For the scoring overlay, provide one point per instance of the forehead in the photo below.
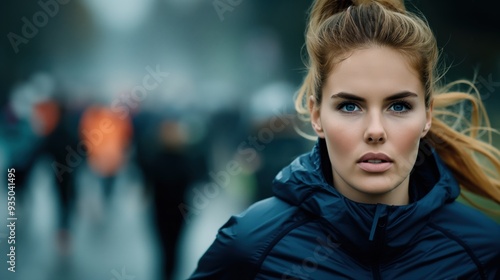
(374, 71)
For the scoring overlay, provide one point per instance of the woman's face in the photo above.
(372, 116)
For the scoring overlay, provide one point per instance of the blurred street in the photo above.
(103, 245)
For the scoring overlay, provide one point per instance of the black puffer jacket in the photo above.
(310, 231)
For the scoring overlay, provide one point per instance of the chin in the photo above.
(376, 187)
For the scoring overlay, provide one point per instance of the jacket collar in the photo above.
(365, 229)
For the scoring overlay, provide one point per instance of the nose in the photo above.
(375, 131)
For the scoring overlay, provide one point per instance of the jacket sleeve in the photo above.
(224, 259)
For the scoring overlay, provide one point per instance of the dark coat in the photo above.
(308, 230)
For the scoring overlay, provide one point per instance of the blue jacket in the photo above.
(308, 230)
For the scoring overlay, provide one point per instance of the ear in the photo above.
(315, 117)
(428, 117)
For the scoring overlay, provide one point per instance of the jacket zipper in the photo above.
(376, 272)
(379, 243)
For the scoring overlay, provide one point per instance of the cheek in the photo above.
(408, 140)
(405, 142)
(407, 136)
(342, 139)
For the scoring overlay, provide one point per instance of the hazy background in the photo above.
(218, 110)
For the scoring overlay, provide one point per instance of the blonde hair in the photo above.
(337, 28)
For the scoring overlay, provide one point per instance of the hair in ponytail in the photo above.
(337, 28)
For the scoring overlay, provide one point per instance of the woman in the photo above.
(375, 198)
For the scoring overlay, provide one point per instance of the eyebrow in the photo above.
(350, 96)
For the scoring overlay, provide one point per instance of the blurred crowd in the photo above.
(173, 150)
(99, 89)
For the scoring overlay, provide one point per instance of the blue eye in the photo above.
(348, 107)
(400, 107)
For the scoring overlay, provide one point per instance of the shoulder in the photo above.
(262, 222)
(270, 210)
(465, 220)
(244, 240)
(471, 229)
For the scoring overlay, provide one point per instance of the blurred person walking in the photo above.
(166, 162)
(107, 137)
(45, 125)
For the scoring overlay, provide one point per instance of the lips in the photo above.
(375, 162)
(375, 158)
